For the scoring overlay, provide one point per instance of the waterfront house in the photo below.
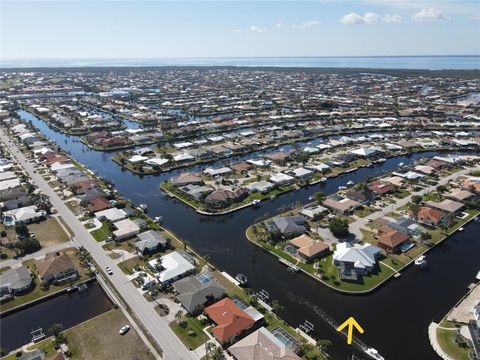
(363, 196)
(222, 197)
(472, 184)
(196, 191)
(281, 179)
(287, 226)
(56, 268)
(355, 260)
(231, 321)
(460, 195)
(312, 211)
(380, 188)
(113, 214)
(431, 216)
(99, 204)
(308, 249)
(241, 167)
(262, 186)
(391, 239)
(15, 281)
(125, 229)
(447, 205)
(261, 345)
(150, 242)
(301, 173)
(406, 225)
(341, 205)
(186, 179)
(194, 292)
(171, 267)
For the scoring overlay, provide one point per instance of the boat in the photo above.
(350, 183)
(401, 164)
(242, 279)
(342, 187)
(381, 160)
(460, 229)
(323, 179)
(158, 219)
(256, 202)
(142, 207)
(273, 197)
(421, 260)
(311, 198)
(291, 266)
(374, 354)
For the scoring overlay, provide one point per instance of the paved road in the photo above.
(158, 327)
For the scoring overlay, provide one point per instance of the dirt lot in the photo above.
(99, 339)
(48, 232)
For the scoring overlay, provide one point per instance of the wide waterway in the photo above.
(395, 317)
(67, 310)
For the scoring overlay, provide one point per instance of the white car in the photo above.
(109, 270)
(124, 330)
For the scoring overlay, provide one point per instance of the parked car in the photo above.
(109, 270)
(124, 330)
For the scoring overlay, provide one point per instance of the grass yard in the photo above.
(127, 266)
(103, 233)
(364, 212)
(48, 232)
(193, 325)
(446, 341)
(99, 339)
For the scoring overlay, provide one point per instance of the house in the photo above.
(99, 204)
(472, 184)
(288, 226)
(15, 281)
(261, 345)
(447, 205)
(301, 173)
(355, 260)
(278, 157)
(171, 267)
(309, 249)
(222, 197)
(241, 167)
(230, 320)
(56, 268)
(125, 229)
(218, 172)
(406, 225)
(193, 292)
(432, 217)
(425, 169)
(281, 179)
(261, 186)
(363, 196)
(341, 205)
(113, 214)
(186, 179)
(460, 195)
(312, 211)
(197, 192)
(150, 242)
(24, 215)
(390, 239)
(381, 188)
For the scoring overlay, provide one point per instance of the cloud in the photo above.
(257, 29)
(428, 14)
(369, 18)
(306, 24)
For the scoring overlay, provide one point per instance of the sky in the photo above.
(170, 29)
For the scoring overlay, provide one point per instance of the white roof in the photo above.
(7, 184)
(156, 161)
(299, 172)
(362, 256)
(7, 175)
(259, 162)
(125, 227)
(61, 166)
(137, 158)
(24, 214)
(174, 265)
(280, 177)
(318, 167)
(363, 151)
(113, 214)
(183, 156)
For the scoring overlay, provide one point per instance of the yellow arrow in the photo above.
(350, 322)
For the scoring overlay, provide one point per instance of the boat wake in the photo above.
(357, 343)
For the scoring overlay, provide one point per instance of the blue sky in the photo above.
(155, 29)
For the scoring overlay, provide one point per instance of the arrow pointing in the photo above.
(351, 323)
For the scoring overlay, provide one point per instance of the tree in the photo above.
(277, 307)
(28, 245)
(441, 188)
(319, 197)
(179, 316)
(414, 208)
(338, 227)
(21, 230)
(416, 199)
(310, 352)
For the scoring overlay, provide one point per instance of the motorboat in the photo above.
(242, 279)
(142, 207)
(421, 260)
(256, 202)
(401, 164)
(158, 219)
(374, 354)
(350, 183)
(460, 229)
(342, 187)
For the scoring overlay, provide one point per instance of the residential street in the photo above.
(157, 326)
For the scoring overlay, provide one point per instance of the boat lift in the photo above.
(37, 335)
(307, 327)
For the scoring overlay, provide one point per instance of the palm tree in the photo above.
(319, 197)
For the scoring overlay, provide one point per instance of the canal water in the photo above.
(395, 317)
(67, 309)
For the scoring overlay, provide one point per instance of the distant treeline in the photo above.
(459, 74)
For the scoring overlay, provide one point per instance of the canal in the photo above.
(395, 318)
(67, 310)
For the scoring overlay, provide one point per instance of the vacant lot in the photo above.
(48, 232)
(99, 339)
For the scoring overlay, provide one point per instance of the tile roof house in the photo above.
(363, 196)
(222, 197)
(380, 188)
(99, 204)
(472, 184)
(230, 319)
(195, 291)
(460, 195)
(355, 260)
(309, 249)
(341, 205)
(125, 229)
(430, 216)
(56, 268)
(186, 179)
(390, 239)
(261, 345)
(447, 205)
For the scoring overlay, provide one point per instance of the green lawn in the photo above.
(193, 324)
(103, 233)
(364, 212)
(446, 339)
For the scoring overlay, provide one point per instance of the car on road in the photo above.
(109, 270)
(369, 220)
(124, 330)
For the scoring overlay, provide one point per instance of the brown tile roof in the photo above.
(230, 319)
(308, 246)
(391, 237)
(430, 215)
(243, 166)
(53, 265)
(99, 204)
(380, 187)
